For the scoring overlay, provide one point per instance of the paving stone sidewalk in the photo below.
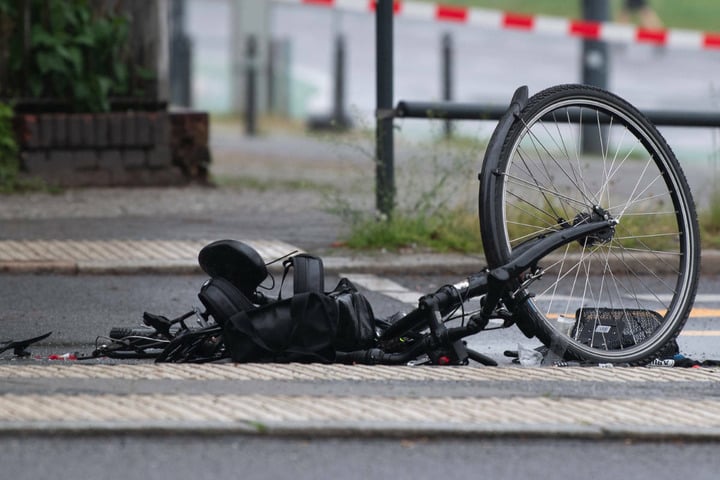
(339, 400)
(276, 195)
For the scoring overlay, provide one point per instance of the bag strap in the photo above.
(308, 273)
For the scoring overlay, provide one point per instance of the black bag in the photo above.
(356, 322)
(307, 327)
(298, 329)
(308, 273)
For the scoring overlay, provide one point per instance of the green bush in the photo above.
(9, 164)
(75, 54)
(10, 180)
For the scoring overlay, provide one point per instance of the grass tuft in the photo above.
(456, 231)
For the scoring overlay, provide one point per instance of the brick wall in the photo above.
(114, 149)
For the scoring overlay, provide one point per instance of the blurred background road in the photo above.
(488, 65)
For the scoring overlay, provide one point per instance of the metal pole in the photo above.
(447, 67)
(480, 111)
(273, 47)
(594, 64)
(284, 78)
(385, 176)
(181, 57)
(251, 87)
(339, 87)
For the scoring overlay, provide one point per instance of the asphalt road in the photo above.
(78, 309)
(300, 458)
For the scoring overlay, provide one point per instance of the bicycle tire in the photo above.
(549, 176)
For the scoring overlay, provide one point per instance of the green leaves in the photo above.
(7, 6)
(9, 164)
(73, 54)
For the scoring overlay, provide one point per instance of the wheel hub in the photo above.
(599, 238)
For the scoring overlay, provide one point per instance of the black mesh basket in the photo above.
(614, 328)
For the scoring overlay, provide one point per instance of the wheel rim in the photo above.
(551, 182)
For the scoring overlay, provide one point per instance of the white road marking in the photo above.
(700, 333)
(384, 286)
(699, 298)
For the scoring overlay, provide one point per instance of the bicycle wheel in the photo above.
(575, 152)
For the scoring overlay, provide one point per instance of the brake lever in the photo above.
(20, 346)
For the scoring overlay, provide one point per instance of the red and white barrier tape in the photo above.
(612, 32)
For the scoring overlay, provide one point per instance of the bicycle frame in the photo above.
(502, 283)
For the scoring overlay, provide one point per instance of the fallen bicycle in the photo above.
(590, 234)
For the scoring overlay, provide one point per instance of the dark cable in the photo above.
(461, 306)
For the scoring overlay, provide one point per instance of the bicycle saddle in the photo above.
(238, 263)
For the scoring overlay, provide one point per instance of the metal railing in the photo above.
(479, 111)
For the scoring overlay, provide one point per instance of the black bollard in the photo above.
(447, 71)
(594, 69)
(251, 87)
(339, 118)
(384, 111)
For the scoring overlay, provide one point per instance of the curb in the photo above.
(157, 256)
(431, 264)
(451, 264)
(362, 430)
(388, 264)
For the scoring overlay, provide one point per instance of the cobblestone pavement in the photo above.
(349, 400)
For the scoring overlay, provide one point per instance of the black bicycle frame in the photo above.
(494, 284)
